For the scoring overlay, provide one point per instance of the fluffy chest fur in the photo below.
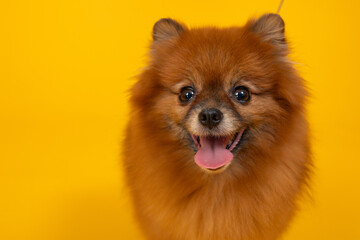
(172, 203)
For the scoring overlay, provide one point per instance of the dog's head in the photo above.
(225, 94)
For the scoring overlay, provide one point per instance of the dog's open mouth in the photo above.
(214, 152)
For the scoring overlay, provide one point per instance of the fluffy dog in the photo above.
(217, 143)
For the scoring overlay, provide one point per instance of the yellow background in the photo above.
(65, 66)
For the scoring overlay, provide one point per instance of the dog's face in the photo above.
(223, 93)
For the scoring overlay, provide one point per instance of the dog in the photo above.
(217, 145)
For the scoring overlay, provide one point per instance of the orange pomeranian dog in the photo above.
(217, 144)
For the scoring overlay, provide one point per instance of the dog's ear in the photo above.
(270, 27)
(166, 28)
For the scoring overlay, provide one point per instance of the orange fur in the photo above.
(254, 197)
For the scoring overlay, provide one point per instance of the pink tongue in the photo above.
(213, 153)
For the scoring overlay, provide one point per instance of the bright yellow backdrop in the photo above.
(65, 66)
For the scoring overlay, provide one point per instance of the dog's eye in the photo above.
(241, 94)
(186, 94)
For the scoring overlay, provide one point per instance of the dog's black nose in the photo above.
(210, 117)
